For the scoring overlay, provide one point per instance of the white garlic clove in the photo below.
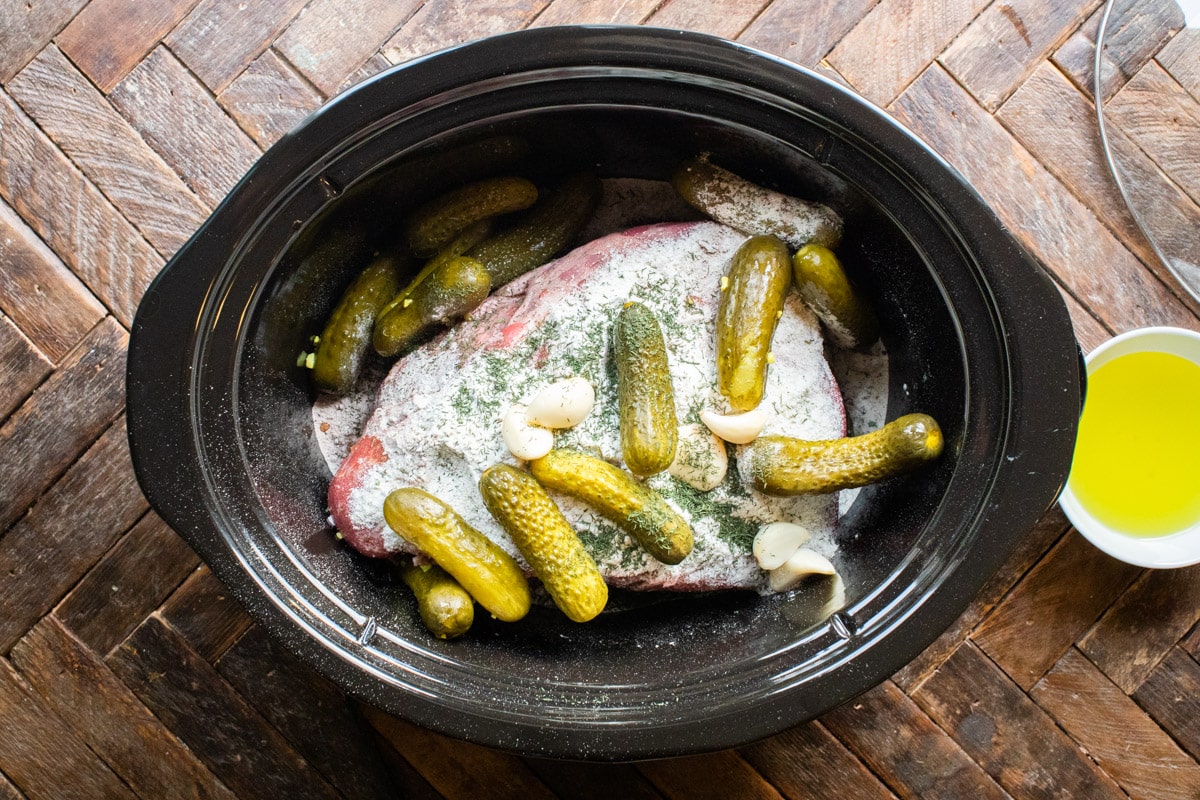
(700, 458)
(776, 543)
(562, 404)
(736, 428)
(804, 562)
(523, 440)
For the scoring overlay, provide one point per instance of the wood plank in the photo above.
(1171, 695)
(269, 99)
(369, 68)
(99, 140)
(1115, 732)
(1056, 123)
(1181, 59)
(901, 745)
(1089, 331)
(42, 755)
(595, 12)
(62, 418)
(51, 306)
(1051, 607)
(714, 776)
(459, 770)
(1136, 31)
(577, 780)
(1006, 733)
(1164, 120)
(312, 714)
(1039, 210)
(110, 37)
(72, 525)
(8, 791)
(441, 23)
(1007, 41)
(75, 683)
(22, 367)
(728, 19)
(804, 31)
(204, 613)
(234, 742)
(28, 27)
(808, 763)
(331, 38)
(177, 117)
(219, 39)
(71, 215)
(132, 580)
(1049, 529)
(406, 781)
(890, 46)
(1123, 646)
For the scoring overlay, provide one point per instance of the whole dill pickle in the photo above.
(824, 287)
(645, 395)
(445, 607)
(488, 573)
(436, 223)
(783, 466)
(617, 496)
(449, 293)
(470, 237)
(542, 232)
(347, 335)
(751, 302)
(545, 538)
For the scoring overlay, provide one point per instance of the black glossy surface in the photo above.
(978, 337)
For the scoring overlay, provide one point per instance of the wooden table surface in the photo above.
(126, 670)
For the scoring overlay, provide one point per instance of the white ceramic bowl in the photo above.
(1179, 549)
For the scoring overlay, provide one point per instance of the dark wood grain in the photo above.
(710, 777)
(71, 215)
(75, 683)
(204, 612)
(577, 781)
(109, 37)
(132, 580)
(71, 526)
(441, 23)
(8, 791)
(219, 39)
(406, 782)
(1006, 733)
(186, 693)
(22, 367)
(1125, 742)
(1171, 695)
(1136, 31)
(269, 99)
(804, 31)
(809, 762)
(28, 27)
(727, 20)
(61, 418)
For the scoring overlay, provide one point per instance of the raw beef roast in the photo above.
(436, 420)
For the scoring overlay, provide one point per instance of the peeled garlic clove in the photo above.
(804, 562)
(562, 404)
(736, 428)
(700, 458)
(523, 440)
(776, 543)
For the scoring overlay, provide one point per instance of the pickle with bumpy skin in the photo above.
(751, 303)
(445, 606)
(782, 466)
(489, 574)
(545, 538)
(824, 287)
(470, 237)
(645, 395)
(346, 338)
(542, 232)
(754, 209)
(446, 295)
(436, 223)
(617, 496)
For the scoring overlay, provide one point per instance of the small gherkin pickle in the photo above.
(749, 308)
(461, 244)
(488, 573)
(824, 287)
(445, 606)
(782, 466)
(545, 538)
(346, 338)
(645, 395)
(542, 232)
(617, 496)
(447, 294)
(436, 223)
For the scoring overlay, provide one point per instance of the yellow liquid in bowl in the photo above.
(1137, 456)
